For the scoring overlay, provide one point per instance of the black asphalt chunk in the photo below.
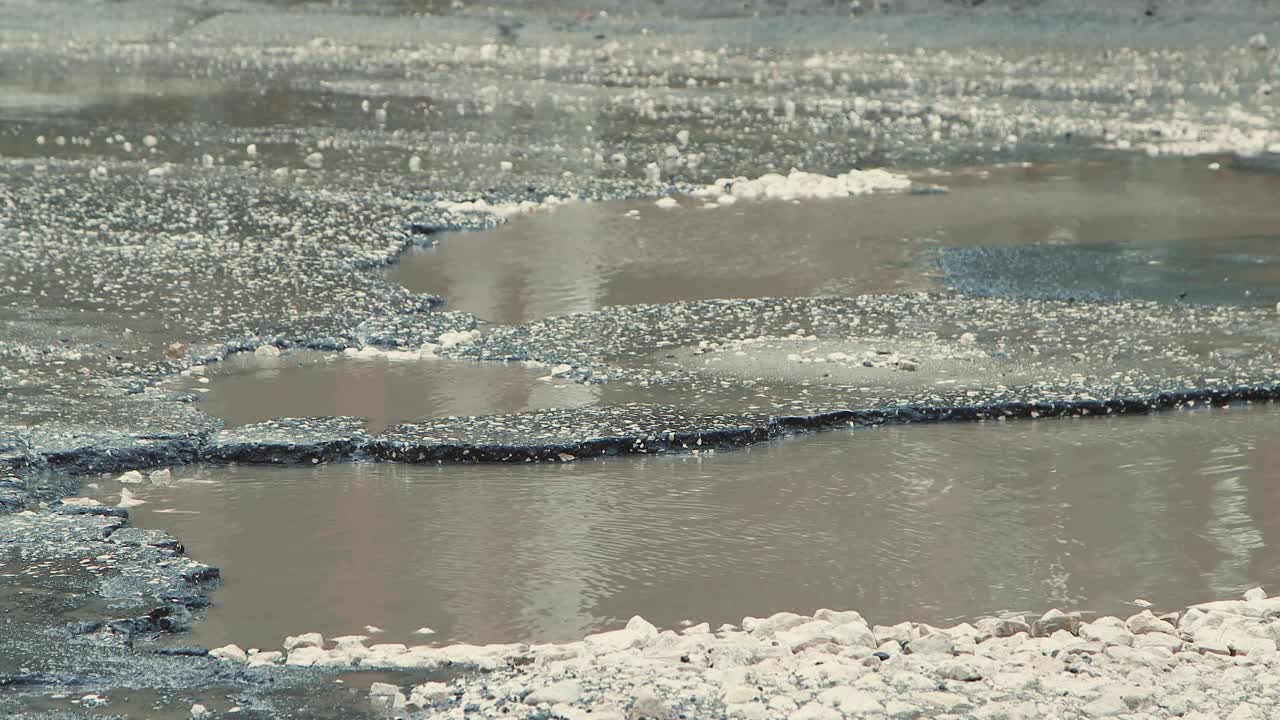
(297, 441)
(566, 435)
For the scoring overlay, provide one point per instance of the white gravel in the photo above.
(799, 185)
(1212, 660)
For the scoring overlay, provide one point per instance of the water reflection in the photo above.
(1178, 215)
(248, 388)
(929, 523)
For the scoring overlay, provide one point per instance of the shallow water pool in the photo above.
(929, 523)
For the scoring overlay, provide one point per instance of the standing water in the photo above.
(930, 523)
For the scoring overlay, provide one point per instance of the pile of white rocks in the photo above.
(1211, 661)
(798, 185)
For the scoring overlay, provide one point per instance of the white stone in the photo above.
(1016, 680)
(853, 634)
(840, 617)
(1255, 594)
(199, 711)
(1105, 633)
(908, 681)
(1108, 705)
(348, 640)
(1168, 641)
(1144, 622)
(1211, 648)
(966, 668)
(931, 644)
(230, 653)
(798, 185)
(947, 702)
(646, 704)
(127, 499)
(805, 635)
(426, 694)
(740, 694)
(1246, 711)
(851, 701)
(667, 203)
(766, 627)
(902, 632)
(304, 640)
(963, 631)
(566, 691)
(898, 710)
(637, 633)
(815, 711)
(307, 656)
(263, 659)
(131, 477)
(1248, 645)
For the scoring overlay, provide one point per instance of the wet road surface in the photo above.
(183, 185)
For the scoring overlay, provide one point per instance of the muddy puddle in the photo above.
(930, 523)
(382, 388)
(1161, 229)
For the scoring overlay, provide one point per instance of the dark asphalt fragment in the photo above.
(296, 441)
(566, 435)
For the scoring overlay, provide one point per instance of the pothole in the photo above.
(930, 523)
(1164, 217)
(380, 387)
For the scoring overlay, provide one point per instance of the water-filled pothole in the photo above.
(249, 388)
(921, 522)
(1167, 217)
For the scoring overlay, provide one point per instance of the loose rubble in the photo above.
(1212, 660)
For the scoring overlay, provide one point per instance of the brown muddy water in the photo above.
(582, 256)
(930, 523)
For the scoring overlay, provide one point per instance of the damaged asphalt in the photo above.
(154, 219)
